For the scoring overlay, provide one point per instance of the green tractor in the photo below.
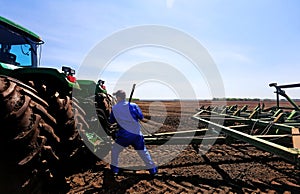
(42, 126)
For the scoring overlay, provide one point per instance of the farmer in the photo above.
(126, 115)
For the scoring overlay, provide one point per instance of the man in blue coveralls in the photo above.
(127, 115)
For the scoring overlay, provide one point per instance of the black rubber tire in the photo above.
(104, 104)
(37, 149)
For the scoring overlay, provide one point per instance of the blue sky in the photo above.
(252, 42)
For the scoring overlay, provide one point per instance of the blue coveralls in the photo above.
(127, 115)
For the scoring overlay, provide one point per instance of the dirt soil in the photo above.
(235, 168)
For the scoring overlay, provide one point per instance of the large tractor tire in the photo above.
(97, 108)
(38, 142)
(104, 104)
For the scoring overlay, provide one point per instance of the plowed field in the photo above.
(234, 168)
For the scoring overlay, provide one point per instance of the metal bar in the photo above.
(290, 85)
(180, 133)
(182, 140)
(222, 118)
(277, 98)
(292, 123)
(272, 136)
(289, 154)
(238, 126)
(188, 133)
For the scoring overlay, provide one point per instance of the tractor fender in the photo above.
(43, 73)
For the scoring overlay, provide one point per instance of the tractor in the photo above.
(42, 127)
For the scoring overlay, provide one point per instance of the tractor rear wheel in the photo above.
(38, 141)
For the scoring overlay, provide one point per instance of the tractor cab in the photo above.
(20, 51)
(18, 46)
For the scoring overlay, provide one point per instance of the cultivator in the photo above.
(274, 129)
